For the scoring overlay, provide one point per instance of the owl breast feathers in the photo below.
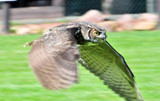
(54, 57)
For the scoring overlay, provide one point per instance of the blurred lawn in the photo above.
(141, 50)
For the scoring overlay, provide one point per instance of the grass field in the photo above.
(141, 50)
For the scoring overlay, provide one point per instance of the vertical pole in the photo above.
(158, 11)
(6, 14)
(52, 2)
(57, 2)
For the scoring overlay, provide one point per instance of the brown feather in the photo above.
(54, 62)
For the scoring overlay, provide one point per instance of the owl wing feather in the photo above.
(106, 63)
(54, 65)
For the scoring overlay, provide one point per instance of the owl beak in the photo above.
(102, 36)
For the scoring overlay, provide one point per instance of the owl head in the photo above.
(90, 32)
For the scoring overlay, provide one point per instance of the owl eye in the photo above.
(97, 33)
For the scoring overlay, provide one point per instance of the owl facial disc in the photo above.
(97, 35)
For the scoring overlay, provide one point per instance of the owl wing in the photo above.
(106, 63)
(54, 65)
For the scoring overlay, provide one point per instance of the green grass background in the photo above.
(141, 49)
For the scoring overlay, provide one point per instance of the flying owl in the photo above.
(54, 57)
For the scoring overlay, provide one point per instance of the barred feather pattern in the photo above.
(103, 61)
(54, 62)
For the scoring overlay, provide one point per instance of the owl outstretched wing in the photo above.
(106, 63)
(53, 59)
